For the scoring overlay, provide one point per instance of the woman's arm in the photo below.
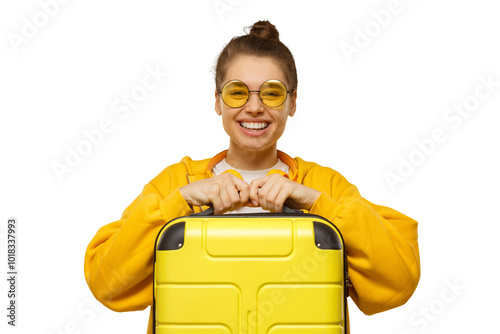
(119, 259)
(381, 243)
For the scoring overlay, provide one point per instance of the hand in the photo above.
(225, 192)
(273, 191)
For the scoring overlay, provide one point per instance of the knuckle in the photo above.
(261, 194)
(287, 187)
(213, 200)
(213, 189)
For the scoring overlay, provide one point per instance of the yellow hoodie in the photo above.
(381, 243)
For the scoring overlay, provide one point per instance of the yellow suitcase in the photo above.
(267, 273)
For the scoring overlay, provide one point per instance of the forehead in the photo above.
(253, 71)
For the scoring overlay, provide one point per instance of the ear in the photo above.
(217, 104)
(293, 103)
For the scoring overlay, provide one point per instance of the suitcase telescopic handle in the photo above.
(210, 211)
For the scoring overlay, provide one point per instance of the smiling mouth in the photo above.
(255, 126)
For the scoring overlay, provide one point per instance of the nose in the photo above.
(254, 104)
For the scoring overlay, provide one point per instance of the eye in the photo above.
(272, 94)
(237, 93)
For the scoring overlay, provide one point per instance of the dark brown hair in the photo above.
(262, 41)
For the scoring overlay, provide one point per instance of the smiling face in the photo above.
(254, 127)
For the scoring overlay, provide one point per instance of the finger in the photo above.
(268, 192)
(262, 194)
(233, 196)
(219, 196)
(245, 196)
(250, 204)
(217, 204)
(271, 191)
(255, 185)
(243, 190)
(281, 197)
(225, 198)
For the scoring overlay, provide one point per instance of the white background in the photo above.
(359, 115)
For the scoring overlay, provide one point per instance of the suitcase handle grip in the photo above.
(210, 211)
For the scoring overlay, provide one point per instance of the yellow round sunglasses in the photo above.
(272, 93)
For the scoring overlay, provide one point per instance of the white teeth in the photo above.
(254, 125)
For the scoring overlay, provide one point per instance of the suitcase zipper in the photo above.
(348, 283)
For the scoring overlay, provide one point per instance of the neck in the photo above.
(251, 159)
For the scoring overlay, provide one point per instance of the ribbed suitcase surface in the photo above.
(249, 274)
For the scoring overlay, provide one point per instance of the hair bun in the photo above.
(265, 29)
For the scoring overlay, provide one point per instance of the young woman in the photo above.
(256, 91)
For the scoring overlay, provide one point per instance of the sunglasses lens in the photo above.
(235, 94)
(273, 93)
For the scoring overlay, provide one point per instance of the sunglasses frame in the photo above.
(254, 91)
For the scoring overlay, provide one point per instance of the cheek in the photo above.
(228, 121)
(224, 121)
(282, 118)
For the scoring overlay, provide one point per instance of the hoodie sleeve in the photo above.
(119, 259)
(381, 243)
